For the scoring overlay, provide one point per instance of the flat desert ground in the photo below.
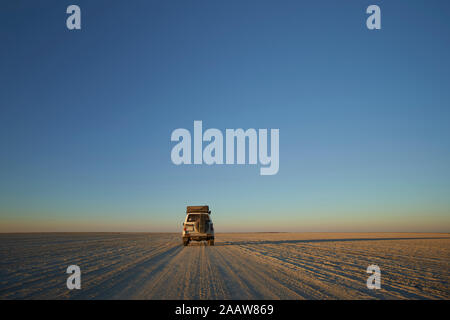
(240, 266)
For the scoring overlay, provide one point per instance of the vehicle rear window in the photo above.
(195, 217)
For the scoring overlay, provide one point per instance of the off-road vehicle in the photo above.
(198, 225)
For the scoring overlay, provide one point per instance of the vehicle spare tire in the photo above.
(202, 224)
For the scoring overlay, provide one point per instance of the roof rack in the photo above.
(198, 209)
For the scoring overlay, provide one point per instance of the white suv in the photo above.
(198, 225)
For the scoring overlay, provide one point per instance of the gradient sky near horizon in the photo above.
(86, 116)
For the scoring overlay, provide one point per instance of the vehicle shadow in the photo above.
(265, 242)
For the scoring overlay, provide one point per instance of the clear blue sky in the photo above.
(86, 116)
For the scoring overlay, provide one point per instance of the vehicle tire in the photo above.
(211, 242)
(185, 242)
